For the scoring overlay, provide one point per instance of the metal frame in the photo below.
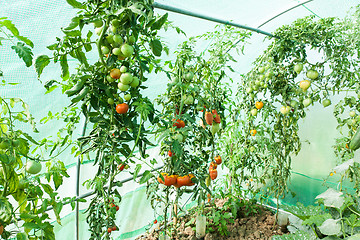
(212, 19)
(192, 14)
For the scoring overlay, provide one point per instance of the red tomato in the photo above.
(170, 153)
(218, 160)
(179, 123)
(213, 174)
(122, 108)
(217, 116)
(209, 118)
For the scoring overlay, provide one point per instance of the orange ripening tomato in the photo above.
(259, 105)
(253, 132)
(212, 166)
(218, 160)
(347, 146)
(183, 180)
(209, 118)
(122, 108)
(213, 174)
(170, 153)
(115, 73)
(169, 180)
(179, 123)
(217, 116)
(191, 176)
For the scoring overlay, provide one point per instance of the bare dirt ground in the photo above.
(260, 226)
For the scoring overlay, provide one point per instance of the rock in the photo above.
(257, 235)
(270, 220)
(189, 231)
(208, 236)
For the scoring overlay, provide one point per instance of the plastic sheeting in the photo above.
(41, 21)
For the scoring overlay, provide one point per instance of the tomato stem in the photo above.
(99, 43)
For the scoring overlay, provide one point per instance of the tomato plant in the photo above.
(288, 83)
(127, 45)
(192, 119)
(24, 195)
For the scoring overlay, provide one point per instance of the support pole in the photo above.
(212, 19)
(78, 166)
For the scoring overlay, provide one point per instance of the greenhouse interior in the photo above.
(143, 119)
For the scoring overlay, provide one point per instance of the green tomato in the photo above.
(109, 79)
(285, 110)
(298, 68)
(326, 102)
(215, 128)
(109, 38)
(261, 69)
(269, 74)
(352, 114)
(254, 112)
(312, 74)
(110, 101)
(132, 39)
(307, 102)
(23, 183)
(123, 69)
(105, 50)
(135, 82)
(4, 145)
(127, 97)
(113, 29)
(115, 23)
(252, 149)
(189, 76)
(179, 137)
(127, 50)
(116, 51)
(123, 87)
(248, 90)
(98, 23)
(118, 39)
(293, 103)
(262, 77)
(126, 78)
(33, 167)
(189, 100)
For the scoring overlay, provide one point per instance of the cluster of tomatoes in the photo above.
(213, 173)
(176, 180)
(117, 43)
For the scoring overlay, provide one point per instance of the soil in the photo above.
(260, 226)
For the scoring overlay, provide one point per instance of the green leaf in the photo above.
(51, 89)
(159, 23)
(28, 137)
(25, 40)
(24, 53)
(21, 236)
(74, 23)
(40, 63)
(317, 219)
(137, 170)
(296, 236)
(145, 177)
(75, 4)
(10, 26)
(64, 67)
(156, 47)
